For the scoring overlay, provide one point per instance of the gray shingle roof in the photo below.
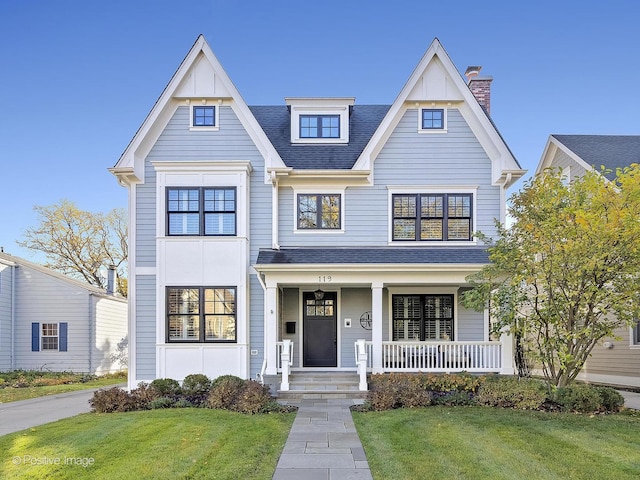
(612, 151)
(383, 255)
(275, 121)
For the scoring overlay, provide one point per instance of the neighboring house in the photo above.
(51, 322)
(612, 361)
(318, 221)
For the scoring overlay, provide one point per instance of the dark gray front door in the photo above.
(320, 330)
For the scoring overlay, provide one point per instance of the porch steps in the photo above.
(317, 385)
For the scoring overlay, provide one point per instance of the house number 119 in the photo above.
(324, 278)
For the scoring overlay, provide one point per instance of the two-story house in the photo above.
(273, 238)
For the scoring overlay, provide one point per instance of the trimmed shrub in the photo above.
(578, 398)
(396, 390)
(195, 388)
(454, 398)
(166, 387)
(451, 382)
(113, 399)
(511, 392)
(253, 398)
(162, 402)
(224, 392)
(610, 399)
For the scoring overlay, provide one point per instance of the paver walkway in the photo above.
(323, 444)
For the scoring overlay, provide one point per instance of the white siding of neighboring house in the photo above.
(44, 298)
(110, 328)
(5, 317)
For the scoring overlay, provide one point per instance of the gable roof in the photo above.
(276, 123)
(200, 75)
(436, 79)
(610, 151)
(12, 261)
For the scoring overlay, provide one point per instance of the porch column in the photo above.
(376, 326)
(506, 339)
(271, 328)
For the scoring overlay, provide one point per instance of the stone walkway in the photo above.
(323, 444)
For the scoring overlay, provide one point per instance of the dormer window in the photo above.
(320, 120)
(319, 126)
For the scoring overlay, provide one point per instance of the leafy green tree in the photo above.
(566, 273)
(78, 243)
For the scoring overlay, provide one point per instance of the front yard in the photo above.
(194, 443)
(492, 443)
(25, 384)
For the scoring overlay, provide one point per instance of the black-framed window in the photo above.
(319, 211)
(635, 334)
(319, 126)
(432, 217)
(201, 314)
(204, 116)
(432, 118)
(201, 211)
(422, 317)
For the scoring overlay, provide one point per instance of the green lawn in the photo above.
(157, 444)
(11, 394)
(491, 443)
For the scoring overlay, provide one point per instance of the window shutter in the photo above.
(35, 337)
(63, 337)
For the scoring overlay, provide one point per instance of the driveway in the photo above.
(15, 416)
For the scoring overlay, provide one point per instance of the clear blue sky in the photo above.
(78, 77)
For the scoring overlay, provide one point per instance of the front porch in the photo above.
(424, 357)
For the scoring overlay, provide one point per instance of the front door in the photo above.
(320, 330)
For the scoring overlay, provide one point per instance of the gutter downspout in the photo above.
(91, 333)
(13, 317)
(274, 212)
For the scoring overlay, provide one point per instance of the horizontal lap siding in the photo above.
(43, 298)
(619, 360)
(408, 158)
(5, 317)
(145, 327)
(561, 161)
(470, 325)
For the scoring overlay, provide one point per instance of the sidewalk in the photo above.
(15, 416)
(631, 399)
(323, 444)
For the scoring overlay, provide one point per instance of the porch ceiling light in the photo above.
(319, 294)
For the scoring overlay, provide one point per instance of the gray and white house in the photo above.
(318, 234)
(614, 361)
(51, 322)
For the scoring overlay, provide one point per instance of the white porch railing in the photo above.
(438, 356)
(284, 357)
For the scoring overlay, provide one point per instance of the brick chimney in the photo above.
(479, 86)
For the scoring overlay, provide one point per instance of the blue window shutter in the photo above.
(63, 337)
(35, 337)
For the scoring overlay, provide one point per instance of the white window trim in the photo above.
(318, 191)
(43, 336)
(433, 130)
(204, 103)
(418, 190)
(320, 106)
(632, 345)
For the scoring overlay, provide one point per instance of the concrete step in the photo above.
(315, 385)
